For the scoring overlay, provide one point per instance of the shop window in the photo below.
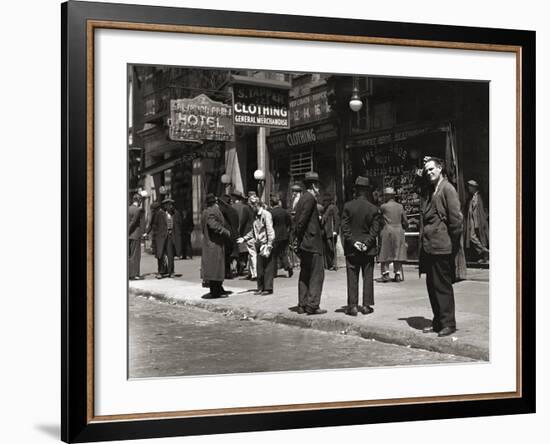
(383, 115)
(301, 162)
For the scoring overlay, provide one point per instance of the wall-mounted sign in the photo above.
(255, 105)
(309, 108)
(320, 133)
(199, 119)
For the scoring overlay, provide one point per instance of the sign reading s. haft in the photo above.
(200, 118)
(260, 106)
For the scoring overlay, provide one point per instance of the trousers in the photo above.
(265, 267)
(360, 263)
(134, 257)
(280, 253)
(310, 281)
(440, 290)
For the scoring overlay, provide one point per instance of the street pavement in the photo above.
(175, 340)
(401, 310)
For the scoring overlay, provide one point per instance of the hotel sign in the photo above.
(255, 105)
(200, 119)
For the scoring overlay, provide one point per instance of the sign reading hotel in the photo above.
(200, 119)
(260, 106)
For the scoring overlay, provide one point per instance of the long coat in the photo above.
(281, 223)
(136, 222)
(214, 236)
(361, 222)
(231, 218)
(160, 228)
(307, 228)
(441, 229)
(392, 237)
(476, 222)
(246, 216)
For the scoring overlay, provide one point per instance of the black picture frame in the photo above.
(77, 422)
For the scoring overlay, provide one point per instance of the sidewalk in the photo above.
(400, 312)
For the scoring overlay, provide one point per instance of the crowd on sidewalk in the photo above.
(245, 236)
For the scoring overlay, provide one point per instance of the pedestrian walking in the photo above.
(136, 226)
(187, 227)
(282, 226)
(361, 223)
(246, 217)
(309, 245)
(167, 227)
(155, 206)
(214, 237)
(476, 227)
(440, 236)
(330, 223)
(250, 246)
(263, 236)
(393, 247)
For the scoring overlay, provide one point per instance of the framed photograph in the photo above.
(275, 221)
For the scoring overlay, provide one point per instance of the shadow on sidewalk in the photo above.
(417, 322)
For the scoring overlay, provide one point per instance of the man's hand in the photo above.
(360, 246)
(240, 240)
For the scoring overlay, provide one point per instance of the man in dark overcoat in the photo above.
(136, 226)
(246, 216)
(186, 230)
(309, 245)
(167, 228)
(361, 224)
(476, 226)
(214, 237)
(440, 237)
(282, 225)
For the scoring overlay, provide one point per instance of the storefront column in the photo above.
(263, 162)
(232, 166)
(197, 181)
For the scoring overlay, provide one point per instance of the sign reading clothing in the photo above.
(199, 119)
(260, 106)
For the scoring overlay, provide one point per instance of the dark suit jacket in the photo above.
(136, 222)
(441, 221)
(281, 223)
(160, 228)
(361, 222)
(246, 216)
(307, 228)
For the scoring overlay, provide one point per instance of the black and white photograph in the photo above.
(299, 221)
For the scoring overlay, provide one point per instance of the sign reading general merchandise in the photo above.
(260, 106)
(199, 119)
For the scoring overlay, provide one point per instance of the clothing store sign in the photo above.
(320, 133)
(200, 118)
(255, 105)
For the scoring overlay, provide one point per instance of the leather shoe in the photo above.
(258, 291)
(365, 309)
(446, 331)
(300, 310)
(290, 272)
(351, 311)
(428, 330)
(317, 311)
(385, 278)
(266, 292)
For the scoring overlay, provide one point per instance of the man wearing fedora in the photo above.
(309, 245)
(167, 227)
(214, 237)
(440, 236)
(476, 227)
(361, 223)
(136, 225)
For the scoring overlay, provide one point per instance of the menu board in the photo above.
(407, 194)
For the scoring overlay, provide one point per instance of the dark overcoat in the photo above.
(231, 218)
(160, 228)
(214, 236)
(281, 223)
(361, 222)
(246, 216)
(441, 225)
(307, 227)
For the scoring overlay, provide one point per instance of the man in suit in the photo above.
(330, 222)
(309, 245)
(281, 225)
(167, 227)
(361, 223)
(440, 232)
(231, 218)
(186, 230)
(136, 226)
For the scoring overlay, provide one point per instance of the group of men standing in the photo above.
(239, 234)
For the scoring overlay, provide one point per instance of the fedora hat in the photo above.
(473, 183)
(168, 200)
(311, 176)
(210, 199)
(389, 191)
(296, 187)
(362, 181)
(238, 194)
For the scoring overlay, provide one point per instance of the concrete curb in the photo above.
(379, 333)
